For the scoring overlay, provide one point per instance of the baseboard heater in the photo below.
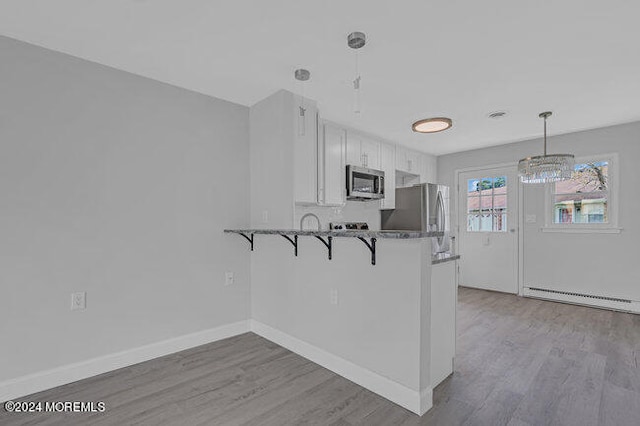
(625, 305)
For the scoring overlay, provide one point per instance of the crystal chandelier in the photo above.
(546, 168)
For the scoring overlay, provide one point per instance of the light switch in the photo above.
(333, 296)
(79, 301)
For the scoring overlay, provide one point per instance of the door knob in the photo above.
(512, 230)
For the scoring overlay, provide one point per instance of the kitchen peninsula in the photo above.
(389, 327)
(369, 305)
(362, 235)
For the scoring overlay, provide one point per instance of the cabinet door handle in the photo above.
(409, 165)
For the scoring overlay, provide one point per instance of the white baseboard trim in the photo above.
(36, 382)
(426, 400)
(412, 400)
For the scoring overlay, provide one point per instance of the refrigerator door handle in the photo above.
(440, 220)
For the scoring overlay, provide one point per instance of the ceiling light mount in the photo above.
(302, 74)
(432, 125)
(356, 40)
(547, 167)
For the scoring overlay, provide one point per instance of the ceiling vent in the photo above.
(497, 114)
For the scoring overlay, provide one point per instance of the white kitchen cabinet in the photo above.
(408, 161)
(305, 152)
(370, 152)
(362, 151)
(354, 153)
(332, 161)
(388, 165)
(283, 160)
(428, 171)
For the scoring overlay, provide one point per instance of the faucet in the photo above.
(306, 216)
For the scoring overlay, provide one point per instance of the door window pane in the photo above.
(500, 222)
(473, 204)
(473, 222)
(487, 204)
(486, 221)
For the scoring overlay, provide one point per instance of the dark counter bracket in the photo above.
(328, 242)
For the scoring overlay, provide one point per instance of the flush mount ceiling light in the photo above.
(548, 167)
(432, 125)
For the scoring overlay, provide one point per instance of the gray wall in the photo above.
(604, 264)
(120, 186)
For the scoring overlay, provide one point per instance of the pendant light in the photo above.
(302, 75)
(548, 167)
(356, 40)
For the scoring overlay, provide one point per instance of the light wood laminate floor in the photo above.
(520, 362)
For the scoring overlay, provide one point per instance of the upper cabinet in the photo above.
(415, 167)
(331, 165)
(388, 165)
(305, 151)
(362, 151)
(371, 153)
(408, 161)
(428, 169)
(283, 160)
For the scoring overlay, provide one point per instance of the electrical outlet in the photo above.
(530, 218)
(265, 216)
(228, 278)
(333, 296)
(79, 301)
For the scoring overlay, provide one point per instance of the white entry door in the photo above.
(488, 228)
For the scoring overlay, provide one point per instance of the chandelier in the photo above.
(548, 167)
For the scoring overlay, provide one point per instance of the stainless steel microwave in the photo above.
(364, 184)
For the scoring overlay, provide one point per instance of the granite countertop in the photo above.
(398, 235)
(443, 257)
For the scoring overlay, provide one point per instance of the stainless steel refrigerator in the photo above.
(423, 207)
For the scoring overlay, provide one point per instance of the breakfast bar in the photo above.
(372, 237)
(388, 327)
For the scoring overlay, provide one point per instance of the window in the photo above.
(584, 197)
(487, 204)
(584, 202)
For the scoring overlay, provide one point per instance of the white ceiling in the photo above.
(462, 59)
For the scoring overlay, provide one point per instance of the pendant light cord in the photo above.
(356, 82)
(545, 115)
(545, 136)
